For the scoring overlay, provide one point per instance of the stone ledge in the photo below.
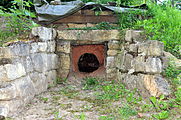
(89, 35)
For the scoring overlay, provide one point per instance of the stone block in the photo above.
(10, 107)
(44, 34)
(42, 46)
(113, 45)
(169, 57)
(156, 85)
(40, 62)
(40, 82)
(73, 25)
(138, 64)
(20, 49)
(63, 46)
(134, 36)
(62, 73)
(51, 77)
(111, 74)
(15, 71)
(133, 48)
(3, 75)
(153, 65)
(110, 60)
(65, 61)
(25, 88)
(51, 46)
(4, 111)
(34, 48)
(28, 64)
(128, 36)
(8, 92)
(151, 48)
(130, 81)
(112, 52)
(90, 25)
(120, 60)
(138, 36)
(127, 61)
(52, 62)
(6, 52)
(43, 62)
(89, 35)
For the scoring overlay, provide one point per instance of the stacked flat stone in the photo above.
(31, 68)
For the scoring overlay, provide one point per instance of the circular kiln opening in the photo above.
(88, 63)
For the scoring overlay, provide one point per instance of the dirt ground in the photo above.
(73, 102)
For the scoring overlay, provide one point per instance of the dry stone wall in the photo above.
(140, 64)
(26, 70)
(67, 38)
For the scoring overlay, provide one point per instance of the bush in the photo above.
(165, 26)
(18, 19)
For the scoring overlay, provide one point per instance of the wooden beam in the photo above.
(88, 19)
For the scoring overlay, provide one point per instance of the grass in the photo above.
(164, 25)
(109, 100)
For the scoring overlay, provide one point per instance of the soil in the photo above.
(70, 101)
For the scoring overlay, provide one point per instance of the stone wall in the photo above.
(67, 38)
(26, 70)
(140, 64)
(131, 59)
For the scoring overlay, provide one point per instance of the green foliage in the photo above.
(127, 111)
(160, 104)
(17, 21)
(82, 116)
(129, 18)
(171, 71)
(164, 26)
(162, 115)
(60, 81)
(123, 2)
(89, 82)
(44, 99)
(113, 92)
(106, 118)
(178, 97)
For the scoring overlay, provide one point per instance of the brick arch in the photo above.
(77, 51)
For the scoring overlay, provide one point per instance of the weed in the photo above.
(60, 81)
(127, 111)
(17, 21)
(160, 104)
(89, 83)
(57, 116)
(70, 93)
(106, 118)
(171, 71)
(44, 99)
(82, 116)
(128, 19)
(164, 26)
(162, 115)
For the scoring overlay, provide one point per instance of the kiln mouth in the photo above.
(88, 63)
